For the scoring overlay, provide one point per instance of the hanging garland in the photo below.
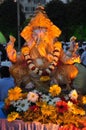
(52, 65)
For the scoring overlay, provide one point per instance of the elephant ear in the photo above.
(79, 83)
(11, 51)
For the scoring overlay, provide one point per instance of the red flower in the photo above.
(34, 108)
(63, 99)
(74, 101)
(69, 127)
(7, 107)
(62, 106)
(83, 122)
(84, 128)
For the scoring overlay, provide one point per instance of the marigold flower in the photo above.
(47, 110)
(77, 111)
(84, 99)
(14, 93)
(55, 90)
(12, 116)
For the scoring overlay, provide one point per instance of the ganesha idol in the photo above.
(42, 54)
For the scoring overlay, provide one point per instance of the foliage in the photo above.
(69, 17)
(8, 18)
(80, 32)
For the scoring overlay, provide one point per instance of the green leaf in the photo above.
(2, 39)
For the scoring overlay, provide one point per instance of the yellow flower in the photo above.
(41, 103)
(55, 90)
(12, 116)
(70, 104)
(14, 93)
(81, 112)
(77, 111)
(44, 78)
(25, 50)
(47, 110)
(84, 99)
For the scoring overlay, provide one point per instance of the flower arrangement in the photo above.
(53, 107)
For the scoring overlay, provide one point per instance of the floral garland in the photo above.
(50, 68)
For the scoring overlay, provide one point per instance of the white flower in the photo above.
(36, 91)
(54, 100)
(16, 103)
(22, 105)
(45, 98)
(33, 97)
(66, 97)
(73, 95)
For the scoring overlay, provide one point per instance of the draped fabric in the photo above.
(21, 125)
